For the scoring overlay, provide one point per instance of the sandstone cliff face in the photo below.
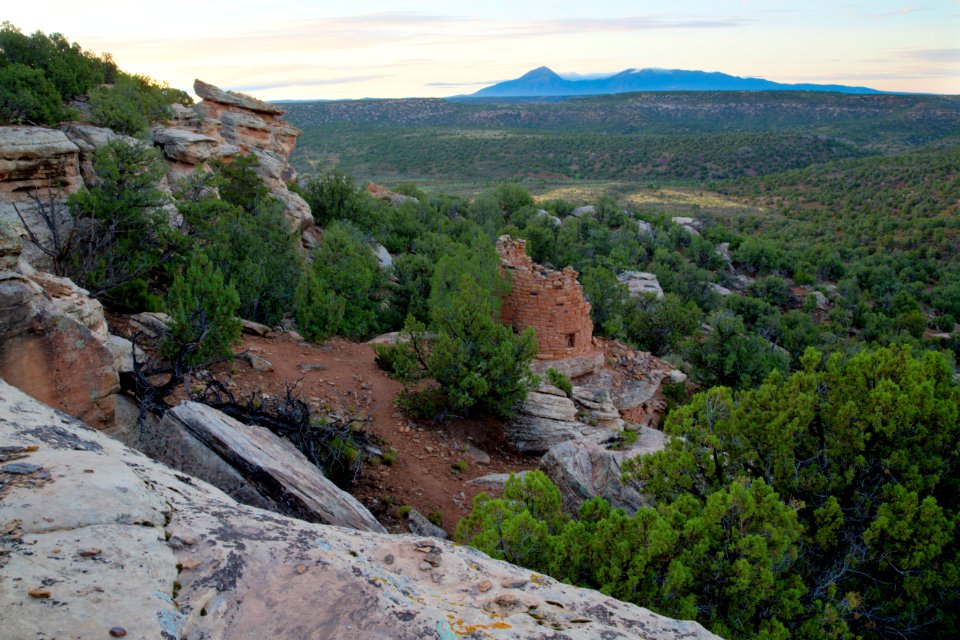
(103, 535)
(38, 168)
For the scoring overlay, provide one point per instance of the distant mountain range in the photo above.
(544, 82)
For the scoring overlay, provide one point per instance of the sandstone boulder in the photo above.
(55, 346)
(120, 541)
(586, 210)
(583, 469)
(641, 283)
(184, 146)
(249, 463)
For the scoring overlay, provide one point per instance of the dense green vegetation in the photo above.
(819, 505)
(438, 154)
(40, 75)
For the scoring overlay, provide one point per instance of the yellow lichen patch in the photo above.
(462, 629)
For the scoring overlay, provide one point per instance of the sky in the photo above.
(308, 49)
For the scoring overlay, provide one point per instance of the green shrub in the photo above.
(404, 511)
(390, 457)
(121, 231)
(317, 310)
(398, 360)
(560, 381)
(203, 310)
(460, 466)
(132, 103)
(346, 266)
(27, 97)
(476, 360)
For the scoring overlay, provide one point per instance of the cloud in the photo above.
(454, 85)
(933, 55)
(305, 83)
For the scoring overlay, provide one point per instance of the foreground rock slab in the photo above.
(249, 463)
(107, 533)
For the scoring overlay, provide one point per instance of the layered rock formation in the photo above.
(226, 124)
(101, 541)
(39, 168)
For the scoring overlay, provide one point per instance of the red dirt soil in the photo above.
(344, 376)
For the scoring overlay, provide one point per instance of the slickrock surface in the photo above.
(106, 538)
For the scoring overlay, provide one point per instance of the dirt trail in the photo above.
(344, 375)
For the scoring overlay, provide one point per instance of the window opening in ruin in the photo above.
(571, 337)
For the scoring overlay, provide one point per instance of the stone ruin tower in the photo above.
(550, 301)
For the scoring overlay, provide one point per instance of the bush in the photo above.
(203, 310)
(133, 103)
(476, 360)
(317, 310)
(398, 360)
(346, 266)
(121, 231)
(27, 97)
(560, 381)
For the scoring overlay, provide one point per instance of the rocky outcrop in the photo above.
(225, 124)
(690, 225)
(88, 139)
(633, 380)
(641, 283)
(583, 469)
(54, 342)
(248, 463)
(39, 168)
(394, 198)
(545, 418)
(107, 539)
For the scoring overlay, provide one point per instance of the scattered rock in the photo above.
(383, 256)
(641, 283)
(477, 456)
(586, 210)
(421, 526)
(484, 586)
(21, 468)
(382, 193)
(495, 480)
(254, 328)
(117, 632)
(690, 225)
(259, 364)
(543, 213)
(39, 593)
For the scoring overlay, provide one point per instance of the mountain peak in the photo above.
(543, 81)
(541, 73)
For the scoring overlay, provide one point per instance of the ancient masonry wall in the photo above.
(550, 301)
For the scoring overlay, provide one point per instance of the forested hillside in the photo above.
(672, 137)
